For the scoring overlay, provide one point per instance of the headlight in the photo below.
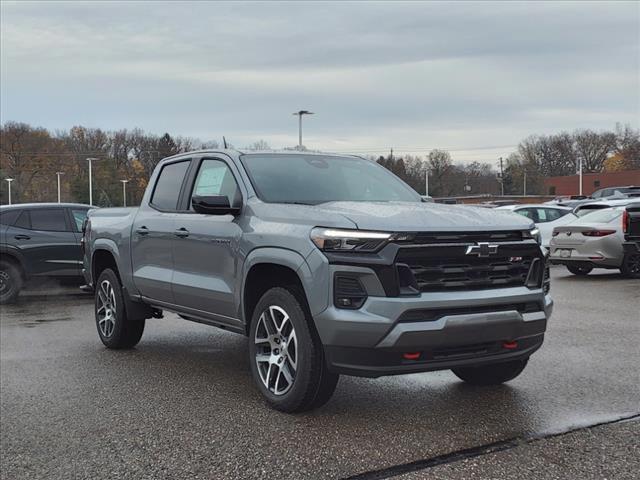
(331, 239)
(535, 234)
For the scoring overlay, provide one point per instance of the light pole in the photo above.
(9, 180)
(300, 113)
(90, 181)
(58, 175)
(124, 192)
(524, 187)
(580, 172)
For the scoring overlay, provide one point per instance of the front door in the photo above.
(205, 251)
(153, 233)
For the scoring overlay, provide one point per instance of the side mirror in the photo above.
(213, 205)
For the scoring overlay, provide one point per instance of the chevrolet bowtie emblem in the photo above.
(482, 249)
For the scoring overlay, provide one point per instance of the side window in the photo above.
(529, 213)
(9, 217)
(49, 219)
(23, 220)
(167, 190)
(78, 218)
(542, 215)
(215, 178)
(553, 214)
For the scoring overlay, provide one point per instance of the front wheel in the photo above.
(577, 270)
(631, 265)
(493, 374)
(115, 329)
(286, 355)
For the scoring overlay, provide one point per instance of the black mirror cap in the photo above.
(213, 205)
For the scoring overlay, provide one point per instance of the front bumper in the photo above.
(447, 329)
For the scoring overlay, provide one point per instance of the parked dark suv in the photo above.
(39, 240)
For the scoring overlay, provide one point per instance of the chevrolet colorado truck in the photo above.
(329, 264)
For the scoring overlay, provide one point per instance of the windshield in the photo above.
(604, 215)
(314, 179)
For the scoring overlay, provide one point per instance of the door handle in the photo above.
(142, 231)
(21, 236)
(181, 232)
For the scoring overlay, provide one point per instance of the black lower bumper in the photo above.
(377, 362)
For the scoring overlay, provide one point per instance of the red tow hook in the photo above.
(411, 356)
(510, 345)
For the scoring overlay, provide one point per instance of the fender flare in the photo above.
(277, 256)
(17, 256)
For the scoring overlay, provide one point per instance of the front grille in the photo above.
(445, 268)
(461, 237)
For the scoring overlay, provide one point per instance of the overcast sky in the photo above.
(413, 76)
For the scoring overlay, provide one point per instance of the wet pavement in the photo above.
(182, 404)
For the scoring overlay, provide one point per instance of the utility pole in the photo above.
(426, 181)
(9, 180)
(90, 181)
(124, 192)
(524, 189)
(58, 175)
(391, 154)
(300, 113)
(501, 177)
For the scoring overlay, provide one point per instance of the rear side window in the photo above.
(167, 191)
(50, 220)
(23, 220)
(78, 218)
(9, 217)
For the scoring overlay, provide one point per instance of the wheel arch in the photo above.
(12, 256)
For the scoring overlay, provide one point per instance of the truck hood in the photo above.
(433, 217)
(394, 216)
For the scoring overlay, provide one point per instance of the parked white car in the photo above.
(546, 217)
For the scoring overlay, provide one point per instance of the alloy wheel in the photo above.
(106, 309)
(276, 350)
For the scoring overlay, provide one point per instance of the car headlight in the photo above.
(335, 240)
(535, 234)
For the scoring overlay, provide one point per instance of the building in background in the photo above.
(570, 185)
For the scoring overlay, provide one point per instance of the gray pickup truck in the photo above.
(329, 264)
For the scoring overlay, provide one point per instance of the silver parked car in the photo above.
(586, 208)
(593, 241)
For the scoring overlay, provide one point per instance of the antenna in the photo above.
(224, 142)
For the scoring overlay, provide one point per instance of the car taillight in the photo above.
(625, 222)
(598, 233)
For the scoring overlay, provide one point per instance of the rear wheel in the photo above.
(10, 282)
(493, 374)
(631, 265)
(578, 270)
(115, 329)
(286, 355)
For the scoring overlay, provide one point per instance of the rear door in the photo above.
(205, 249)
(47, 242)
(153, 233)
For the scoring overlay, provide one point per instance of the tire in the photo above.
(493, 374)
(286, 355)
(577, 270)
(631, 265)
(115, 329)
(10, 282)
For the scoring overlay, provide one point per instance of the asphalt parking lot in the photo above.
(182, 404)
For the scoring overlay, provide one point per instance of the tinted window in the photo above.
(23, 220)
(314, 179)
(8, 217)
(78, 218)
(550, 214)
(167, 191)
(215, 178)
(49, 219)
